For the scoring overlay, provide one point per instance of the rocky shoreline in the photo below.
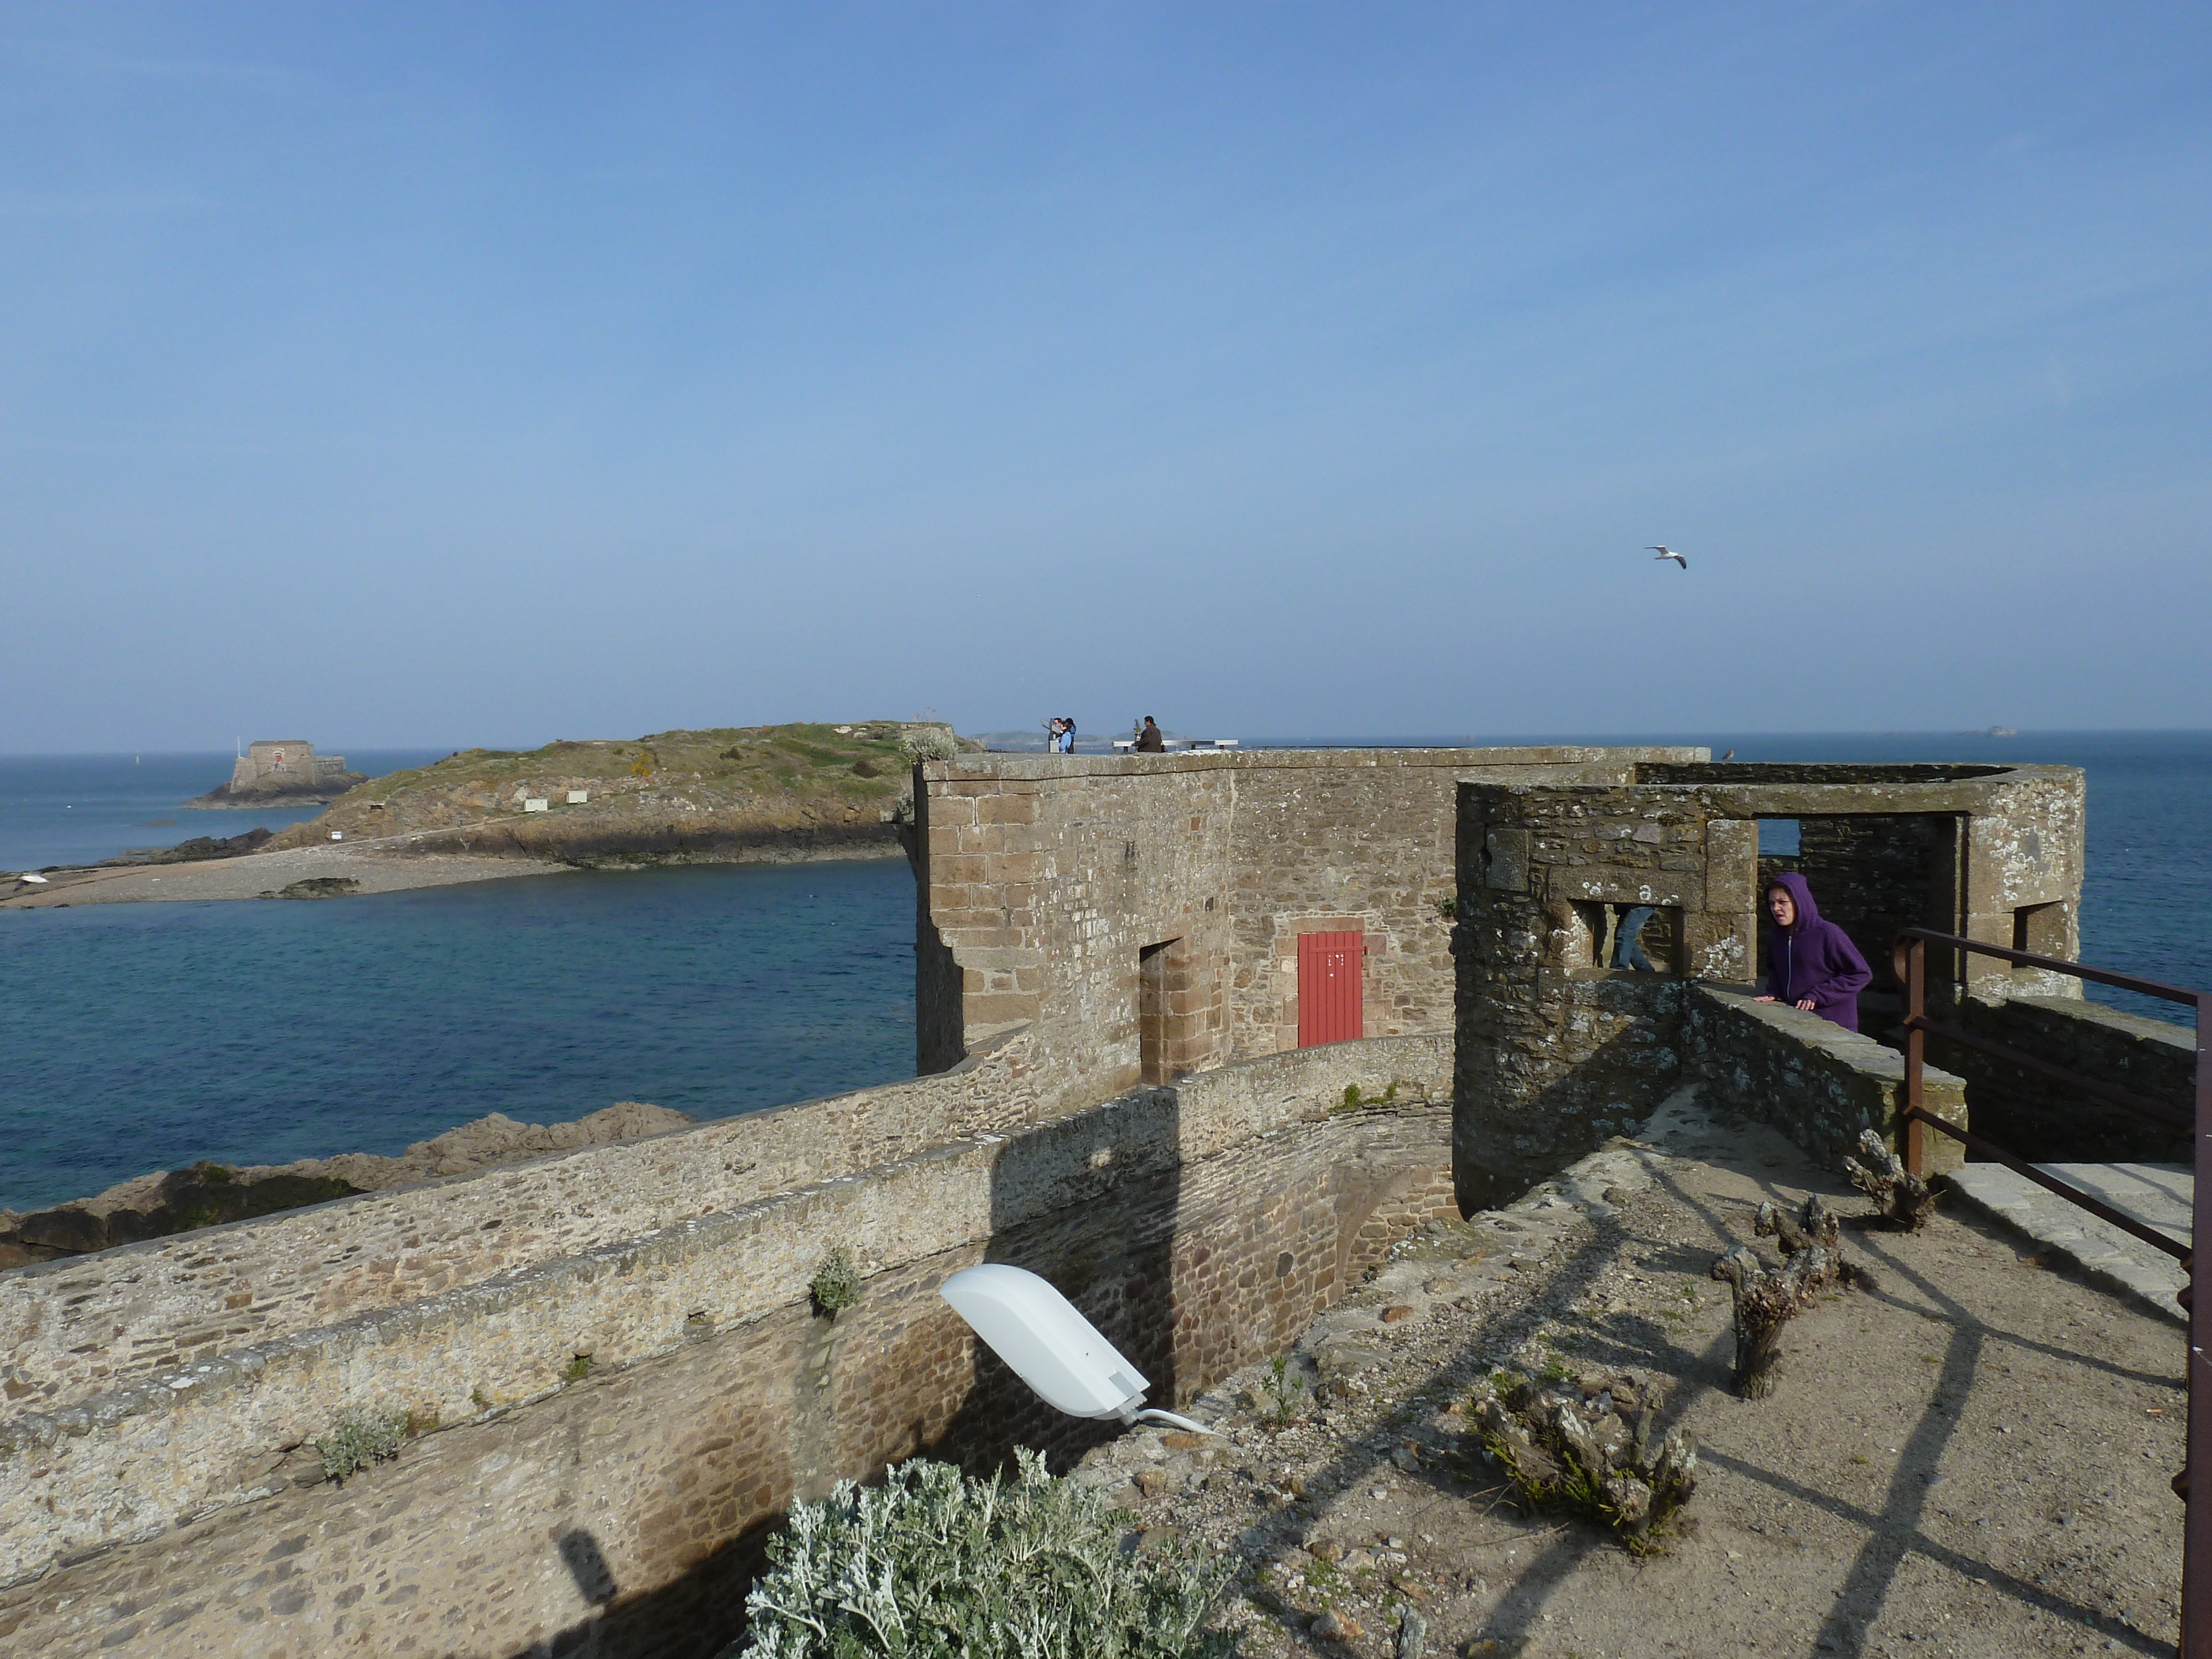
(225, 798)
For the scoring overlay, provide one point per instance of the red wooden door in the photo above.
(1330, 966)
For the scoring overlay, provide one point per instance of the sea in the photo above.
(145, 1036)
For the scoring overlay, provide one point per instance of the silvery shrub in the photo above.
(933, 1564)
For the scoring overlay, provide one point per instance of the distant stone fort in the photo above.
(283, 769)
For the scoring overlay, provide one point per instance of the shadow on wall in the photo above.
(1508, 1138)
(1111, 1251)
(1109, 1243)
(587, 1565)
(696, 1617)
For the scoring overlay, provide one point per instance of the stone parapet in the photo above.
(78, 1327)
(1815, 1082)
(2045, 1122)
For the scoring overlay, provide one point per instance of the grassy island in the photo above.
(719, 795)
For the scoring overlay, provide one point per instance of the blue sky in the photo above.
(427, 374)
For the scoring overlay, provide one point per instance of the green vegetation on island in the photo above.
(729, 793)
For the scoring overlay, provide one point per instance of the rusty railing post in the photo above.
(1914, 1149)
(2196, 1473)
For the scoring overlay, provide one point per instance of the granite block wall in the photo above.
(84, 1323)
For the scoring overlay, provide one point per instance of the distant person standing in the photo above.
(1811, 964)
(1066, 744)
(1052, 736)
(1150, 740)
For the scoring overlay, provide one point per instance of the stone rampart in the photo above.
(1201, 1226)
(80, 1325)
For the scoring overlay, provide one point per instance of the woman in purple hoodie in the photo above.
(1811, 963)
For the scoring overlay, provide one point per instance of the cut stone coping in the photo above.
(2161, 1195)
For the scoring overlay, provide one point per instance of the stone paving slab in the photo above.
(2160, 1194)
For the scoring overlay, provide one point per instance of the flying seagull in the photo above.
(1669, 553)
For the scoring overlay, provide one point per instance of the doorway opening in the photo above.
(1153, 1012)
(1331, 968)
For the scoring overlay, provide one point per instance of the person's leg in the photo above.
(1627, 943)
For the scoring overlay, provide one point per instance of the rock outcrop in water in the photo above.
(206, 1195)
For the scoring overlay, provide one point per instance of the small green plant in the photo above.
(356, 1441)
(932, 1562)
(578, 1369)
(1354, 1099)
(1448, 907)
(1284, 1390)
(836, 1284)
(480, 1399)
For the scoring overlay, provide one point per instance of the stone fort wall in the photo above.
(179, 1511)
(90, 1323)
(1046, 885)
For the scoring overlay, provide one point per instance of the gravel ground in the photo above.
(258, 874)
(1971, 1457)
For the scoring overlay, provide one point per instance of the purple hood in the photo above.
(1814, 959)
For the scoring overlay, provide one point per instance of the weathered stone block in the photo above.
(1732, 864)
(1721, 947)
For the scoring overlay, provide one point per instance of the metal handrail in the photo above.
(2194, 1483)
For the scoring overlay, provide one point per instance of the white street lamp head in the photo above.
(1049, 1345)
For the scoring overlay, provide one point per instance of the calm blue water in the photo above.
(142, 1036)
(80, 809)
